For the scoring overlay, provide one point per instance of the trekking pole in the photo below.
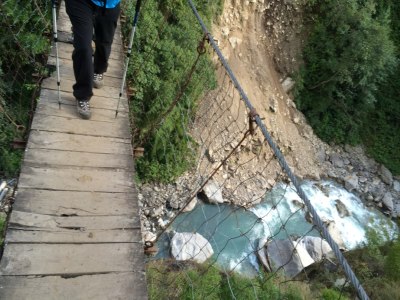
(55, 39)
(128, 55)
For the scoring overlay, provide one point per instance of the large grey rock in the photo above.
(190, 246)
(191, 205)
(337, 160)
(342, 209)
(288, 255)
(149, 236)
(351, 182)
(396, 185)
(316, 247)
(261, 253)
(321, 156)
(158, 211)
(386, 175)
(388, 201)
(335, 234)
(396, 212)
(377, 190)
(288, 84)
(213, 193)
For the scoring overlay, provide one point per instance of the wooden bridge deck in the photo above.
(74, 232)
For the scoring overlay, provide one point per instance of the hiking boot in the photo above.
(98, 80)
(83, 109)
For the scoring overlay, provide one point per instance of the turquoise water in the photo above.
(234, 232)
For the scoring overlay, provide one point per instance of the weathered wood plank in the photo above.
(69, 111)
(111, 79)
(33, 221)
(113, 75)
(59, 203)
(116, 286)
(66, 37)
(87, 180)
(47, 95)
(73, 125)
(65, 51)
(73, 142)
(47, 158)
(70, 259)
(66, 86)
(21, 236)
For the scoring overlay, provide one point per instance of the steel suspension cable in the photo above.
(316, 219)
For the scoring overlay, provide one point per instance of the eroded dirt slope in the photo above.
(260, 40)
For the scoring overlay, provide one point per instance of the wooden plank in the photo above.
(116, 286)
(66, 86)
(31, 221)
(65, 51)
(117, 129)
(64, 34)
(70, 112)
(22, 236)
(73, 142)
(67, 37)
(47, 95)
(47, 158)
(59, 203)
(70, 259)
(87, 180)
(112, 78)
(113, 75)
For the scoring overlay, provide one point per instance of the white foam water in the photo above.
(323, 196)
(234, 232)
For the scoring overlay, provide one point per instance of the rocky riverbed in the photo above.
(348, 166)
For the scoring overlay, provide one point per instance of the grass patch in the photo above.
(172, 280)
(3, 223)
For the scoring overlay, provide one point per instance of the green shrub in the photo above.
(331, 294)
(392, 262)
(178, 280)
(24, 44)
(3, 218)
(164, 52)
(348, 86)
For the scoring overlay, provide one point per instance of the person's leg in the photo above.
(105, 23)
(80, 13)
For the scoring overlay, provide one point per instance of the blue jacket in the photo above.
(109, 3)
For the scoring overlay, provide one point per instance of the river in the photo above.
(234, 232)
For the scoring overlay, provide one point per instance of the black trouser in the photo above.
(85, 16)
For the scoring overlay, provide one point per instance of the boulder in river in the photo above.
(288, 255)
(190, 246)
(213, 193)
(191, 205)
(335, 234)
(317, 247)
(342, 209)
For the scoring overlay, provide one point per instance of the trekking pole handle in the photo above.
(137, 9)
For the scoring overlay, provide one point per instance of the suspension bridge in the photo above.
(74, 232)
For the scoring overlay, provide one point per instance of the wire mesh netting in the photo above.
(24, 45)
(229, 222)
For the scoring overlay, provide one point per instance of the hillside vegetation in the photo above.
(164, 53)
(24, 44)
(349, 85)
